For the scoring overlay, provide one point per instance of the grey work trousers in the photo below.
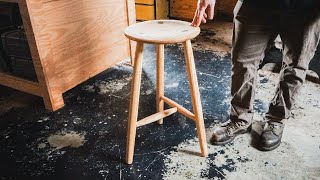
(254, 29)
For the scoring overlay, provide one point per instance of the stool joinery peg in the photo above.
(161, 32)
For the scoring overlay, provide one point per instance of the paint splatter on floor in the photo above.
(66, 139)
(97, 111)
(296, 158)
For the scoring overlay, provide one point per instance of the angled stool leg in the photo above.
(160, 79)
(195, 95)
(134, 102)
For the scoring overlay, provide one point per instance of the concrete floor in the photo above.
(86, 138)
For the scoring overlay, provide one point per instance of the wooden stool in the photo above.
(161, 32)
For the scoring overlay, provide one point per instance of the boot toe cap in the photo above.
(269, 141)
(219, 135)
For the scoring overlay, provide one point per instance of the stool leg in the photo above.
(160, 79)
(195, 95)
(134, 102)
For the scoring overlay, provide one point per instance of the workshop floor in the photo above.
(86, 139)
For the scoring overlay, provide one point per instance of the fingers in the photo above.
(198, 16)
(204, 11)
(204, 18)
(210, 11)
(195, 20)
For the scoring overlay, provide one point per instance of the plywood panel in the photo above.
(145, 12)
(162, 9)
(71, 41)
(152, 9)
(131, 17)
(185, 9)
(77, 40)
(145, 2)
(52, 99)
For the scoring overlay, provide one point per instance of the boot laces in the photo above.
(232, 126)
(271, 126)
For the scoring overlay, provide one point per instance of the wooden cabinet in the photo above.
(71, 41)
(185, 9)
(152, 9)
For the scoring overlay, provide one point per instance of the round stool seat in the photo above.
(162, 31)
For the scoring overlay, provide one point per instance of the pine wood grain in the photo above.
(160, 79)
(195, 96)
(152, 9)
(71, 41)
(131, 18)
(162, 9)
(145, 12)
(78, 39)
(134, 102)
(155, 117)
(20, 84)
(162, 31)
(185, 9)
(145, 2)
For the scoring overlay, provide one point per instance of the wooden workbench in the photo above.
(71, 41)
(185, 9)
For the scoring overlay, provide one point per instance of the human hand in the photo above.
(205, 10)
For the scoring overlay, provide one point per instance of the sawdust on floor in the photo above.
(66, 139)
(112, 86)
(216, 37)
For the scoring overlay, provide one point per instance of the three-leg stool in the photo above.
(161, 32)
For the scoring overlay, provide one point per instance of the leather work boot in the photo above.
(271, 135)
(225, 134)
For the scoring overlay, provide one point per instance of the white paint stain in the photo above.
(296, 158)
(66, 139)
(43, 119)
(172, 85)
(42, 145)
(148, 92)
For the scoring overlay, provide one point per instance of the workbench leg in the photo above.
(54, 103)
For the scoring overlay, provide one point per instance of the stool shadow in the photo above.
(189, 152)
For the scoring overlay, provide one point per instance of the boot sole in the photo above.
(270, 148)
(224, 142)
(230, 140)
